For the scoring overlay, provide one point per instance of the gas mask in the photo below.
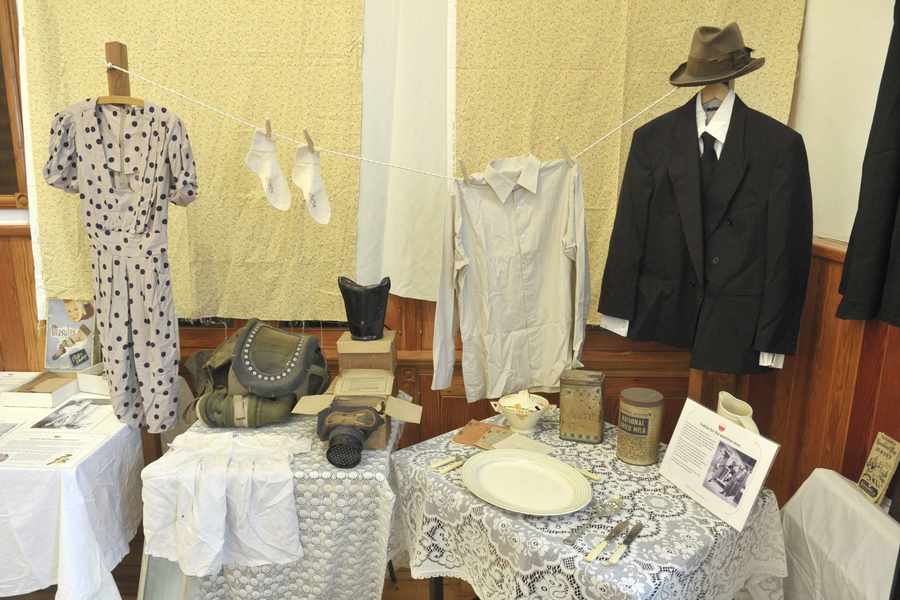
(346, 426)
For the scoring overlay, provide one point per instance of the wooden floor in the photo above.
(406, 588)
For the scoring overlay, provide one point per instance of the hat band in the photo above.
(721, 65)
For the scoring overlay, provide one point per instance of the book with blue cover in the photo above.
(70, 335)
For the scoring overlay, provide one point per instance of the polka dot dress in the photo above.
(127, 164)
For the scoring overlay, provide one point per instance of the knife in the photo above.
(614, 532)
(620, 550)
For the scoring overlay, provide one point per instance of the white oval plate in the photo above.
(526, 482)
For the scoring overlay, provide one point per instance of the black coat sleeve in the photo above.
(788, 252)
(626, 245)
(876, 228)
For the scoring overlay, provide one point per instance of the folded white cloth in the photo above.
(223, 499)
(307, 175)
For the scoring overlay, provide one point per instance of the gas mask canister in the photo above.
(346, 426)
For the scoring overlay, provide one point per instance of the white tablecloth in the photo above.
(839, 545)
(344, 517)
(683, 552)
(70, 525)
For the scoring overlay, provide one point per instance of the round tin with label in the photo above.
(640, 421)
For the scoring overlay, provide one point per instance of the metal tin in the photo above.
(640, 420)
(581, 406)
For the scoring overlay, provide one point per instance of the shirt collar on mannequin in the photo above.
(721, 119)
(504, 174)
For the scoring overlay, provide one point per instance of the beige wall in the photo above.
(841, 60)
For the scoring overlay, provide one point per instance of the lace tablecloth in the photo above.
(683, 551)
(344, 517)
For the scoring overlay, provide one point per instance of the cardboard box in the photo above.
(93, 380)
(368, 387)
(374, 354)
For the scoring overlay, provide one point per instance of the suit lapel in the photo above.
(730, 169)
(684, 172)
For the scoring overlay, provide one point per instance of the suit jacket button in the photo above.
(715, 260)
(692, 283)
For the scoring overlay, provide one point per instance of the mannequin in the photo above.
(717, 90)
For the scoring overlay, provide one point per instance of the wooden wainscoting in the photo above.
(625, 363)
(842, 387)
(824, 408)
(20, 349)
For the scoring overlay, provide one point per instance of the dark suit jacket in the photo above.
(725, 276)
(870, 282)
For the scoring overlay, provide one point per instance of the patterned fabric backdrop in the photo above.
(529, 71)
(297, 63)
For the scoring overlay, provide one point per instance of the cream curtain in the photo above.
(297, 63)
(405, 121)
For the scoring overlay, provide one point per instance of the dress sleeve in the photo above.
(61, 170)
(183, 186)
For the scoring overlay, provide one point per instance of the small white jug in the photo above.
(736, 411)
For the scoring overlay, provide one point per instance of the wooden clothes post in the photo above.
(120, 89)
(117, 54)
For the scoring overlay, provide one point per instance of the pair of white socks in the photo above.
(262, 159)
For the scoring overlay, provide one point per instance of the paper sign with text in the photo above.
(718, 463)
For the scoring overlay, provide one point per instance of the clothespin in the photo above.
(564, 151)
(465, 172)
(309, 141)
(268, 129)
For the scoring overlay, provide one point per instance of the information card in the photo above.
(718, 463)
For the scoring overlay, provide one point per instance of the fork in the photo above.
(600, 510)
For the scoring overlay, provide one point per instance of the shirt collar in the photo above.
(503, 175)
(721, 119)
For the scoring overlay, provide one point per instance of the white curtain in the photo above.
(407, 119)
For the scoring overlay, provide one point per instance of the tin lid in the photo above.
(641, 396)
(582, 377)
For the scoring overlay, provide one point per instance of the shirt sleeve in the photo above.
(768, 359)
(575, 247)
(183, 187)
(446, 317)
(615, 324)
(61, 170)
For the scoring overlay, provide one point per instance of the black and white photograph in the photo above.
(728, 473)
(75, 415)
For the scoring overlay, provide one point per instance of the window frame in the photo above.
(9, 54)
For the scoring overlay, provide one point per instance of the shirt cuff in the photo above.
(614, 324)
(768, 359)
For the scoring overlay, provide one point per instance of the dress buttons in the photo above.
(715, 260)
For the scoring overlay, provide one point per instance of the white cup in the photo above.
(736, 411)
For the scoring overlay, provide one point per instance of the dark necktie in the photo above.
(708, 160)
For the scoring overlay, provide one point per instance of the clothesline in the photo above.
(253, 127)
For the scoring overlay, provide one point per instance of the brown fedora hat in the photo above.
(716, 55)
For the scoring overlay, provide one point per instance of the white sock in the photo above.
(262, 159)
(307, 175)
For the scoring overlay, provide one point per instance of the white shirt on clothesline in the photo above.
(515, 267)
